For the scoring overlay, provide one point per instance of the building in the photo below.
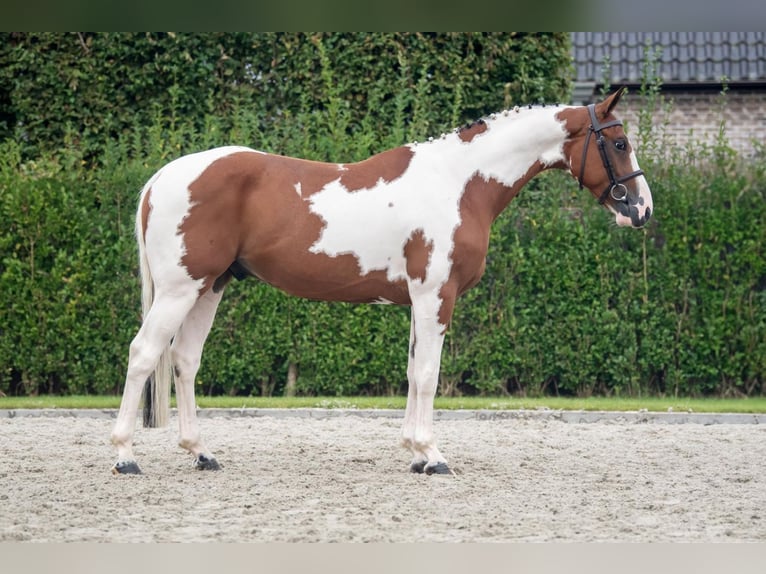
(694, 68)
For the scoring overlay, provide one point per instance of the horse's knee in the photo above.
(427, 383)
(424, 372)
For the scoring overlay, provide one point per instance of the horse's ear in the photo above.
(605, 108)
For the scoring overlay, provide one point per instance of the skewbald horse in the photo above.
(408, 226)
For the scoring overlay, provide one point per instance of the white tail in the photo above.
(157, 388)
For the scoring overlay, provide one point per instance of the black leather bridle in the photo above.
(616, 188)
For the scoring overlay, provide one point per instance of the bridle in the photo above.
(616, 188)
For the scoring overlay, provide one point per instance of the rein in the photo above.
(616, 188)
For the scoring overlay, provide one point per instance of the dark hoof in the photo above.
(126, 467)
(418, 467)
(205, 463)
(439, 468)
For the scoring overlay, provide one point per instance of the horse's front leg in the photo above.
(419, 459)
(426, 340)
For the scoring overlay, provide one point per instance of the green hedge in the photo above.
(94, 87)
(569, 303)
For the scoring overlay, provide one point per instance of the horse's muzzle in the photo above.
(629, 214)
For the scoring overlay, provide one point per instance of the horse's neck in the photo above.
(509, 150)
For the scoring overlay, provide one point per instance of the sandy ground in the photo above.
(345, 479)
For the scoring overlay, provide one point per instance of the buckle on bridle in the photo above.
(616, 188)
(618, 192)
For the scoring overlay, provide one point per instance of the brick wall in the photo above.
(695, 116)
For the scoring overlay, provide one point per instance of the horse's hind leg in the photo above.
(159, 326)
(186, 352)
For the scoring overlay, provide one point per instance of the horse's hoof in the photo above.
(439, 468)
(126, 467)
(206, 463)
(418, 467)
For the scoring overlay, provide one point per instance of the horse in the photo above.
(408, 226)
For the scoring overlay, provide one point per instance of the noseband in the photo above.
(616, 188)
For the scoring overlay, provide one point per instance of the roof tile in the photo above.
(682, 56)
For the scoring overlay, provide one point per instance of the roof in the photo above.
(683, 58)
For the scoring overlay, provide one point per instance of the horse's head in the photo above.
(600, 156)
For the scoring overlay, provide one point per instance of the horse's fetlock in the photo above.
(188, 443)
(422, 443)
(118, 438)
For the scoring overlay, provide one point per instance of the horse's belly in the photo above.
(324, 278)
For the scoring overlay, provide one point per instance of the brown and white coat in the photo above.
(408, 226)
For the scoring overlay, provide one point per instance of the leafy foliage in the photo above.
(99, 86)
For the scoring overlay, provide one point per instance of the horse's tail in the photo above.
(157, 387)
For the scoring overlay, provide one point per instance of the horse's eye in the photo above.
(620, 145)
